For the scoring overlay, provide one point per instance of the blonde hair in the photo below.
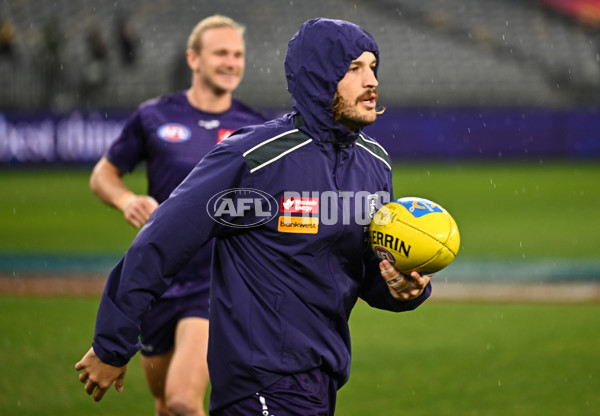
(212, 22)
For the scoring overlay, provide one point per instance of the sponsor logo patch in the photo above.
(299, 225)
(296, 205)
(223, 134)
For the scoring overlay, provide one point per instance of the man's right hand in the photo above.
(106, 181)
(98, 376)
(137, 209)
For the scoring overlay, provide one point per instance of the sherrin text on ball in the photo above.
(414, 234)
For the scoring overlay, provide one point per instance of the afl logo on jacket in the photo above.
(174, 133)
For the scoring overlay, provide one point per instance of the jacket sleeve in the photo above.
(176, 230)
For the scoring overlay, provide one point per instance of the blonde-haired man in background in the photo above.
(171, 134)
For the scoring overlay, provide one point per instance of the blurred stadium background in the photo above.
(67, 55)
(493, 110)
(484, 81)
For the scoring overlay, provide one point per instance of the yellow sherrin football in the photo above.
(414, 234)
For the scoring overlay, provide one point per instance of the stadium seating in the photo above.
(433, 53)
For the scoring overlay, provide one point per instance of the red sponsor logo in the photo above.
(223, 134)
(299, 205)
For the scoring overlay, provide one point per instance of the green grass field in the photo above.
(445, 358)
(442, 359)
(526, 210)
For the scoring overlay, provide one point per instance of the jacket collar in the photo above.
(342, 137)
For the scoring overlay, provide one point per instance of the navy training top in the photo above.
(171, 136)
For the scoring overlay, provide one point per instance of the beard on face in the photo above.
(345, 112)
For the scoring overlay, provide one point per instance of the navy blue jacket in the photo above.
(282, 288)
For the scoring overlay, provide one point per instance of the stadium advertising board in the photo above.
(47, 138)
(41, 138)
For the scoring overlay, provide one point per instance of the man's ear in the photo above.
(191, 56)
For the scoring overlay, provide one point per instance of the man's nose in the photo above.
(371, 80)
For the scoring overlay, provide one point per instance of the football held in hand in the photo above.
(414, 234)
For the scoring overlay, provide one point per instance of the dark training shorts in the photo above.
(306, 394)
(160, 321)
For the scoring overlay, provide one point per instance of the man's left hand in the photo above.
(403, 287)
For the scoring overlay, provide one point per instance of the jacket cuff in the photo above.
(116, 337)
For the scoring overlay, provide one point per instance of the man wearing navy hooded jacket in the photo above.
(288, 205)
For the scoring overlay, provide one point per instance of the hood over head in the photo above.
(318, 57)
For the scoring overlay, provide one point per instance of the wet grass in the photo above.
(475, 359)
(41, 341)
(517, 210)
(442, 359)
(53, 211)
